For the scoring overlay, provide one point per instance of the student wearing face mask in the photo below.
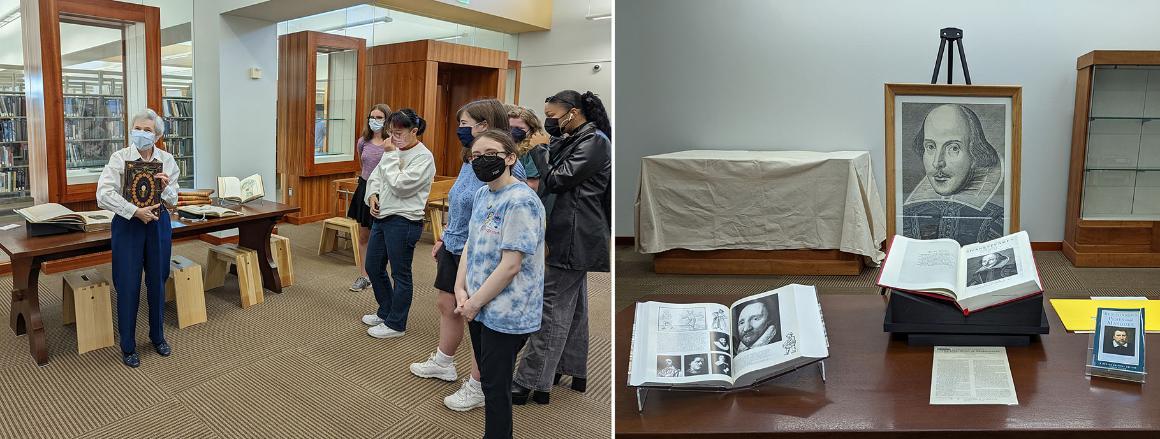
(531, 142)
(397, 195)
(475, 118)
(141, 236)
(577, 185)
(371, 146)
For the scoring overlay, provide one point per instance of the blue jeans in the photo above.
(392, 240)
(138, 246)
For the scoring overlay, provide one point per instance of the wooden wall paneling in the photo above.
(518, 68)
(1083, 94)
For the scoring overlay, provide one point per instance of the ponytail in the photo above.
(594, 111)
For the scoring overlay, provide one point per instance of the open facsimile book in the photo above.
(55, 214)
(241, 191)
(713, 346)
(974, 276)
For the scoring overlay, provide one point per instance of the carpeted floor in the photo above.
(635, 278)
(298, 365)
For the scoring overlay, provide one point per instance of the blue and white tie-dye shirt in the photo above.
(459, 200)
(511, 218)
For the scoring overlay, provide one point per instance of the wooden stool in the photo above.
(280, 248)
(330, 230)
(249, 278)
(185, 287)
(87, 303)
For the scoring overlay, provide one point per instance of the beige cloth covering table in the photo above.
(760, 200)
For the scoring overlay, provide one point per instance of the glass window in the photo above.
(334, 105)
(93, 76)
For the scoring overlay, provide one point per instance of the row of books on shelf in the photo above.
(179, 128)
(93, 129)
(93, 107)
(13, 130)
(14, 181)
(11, 154)
(186, 169)
(89, 154)
(176, 108)
(179, 147)
(11, 106)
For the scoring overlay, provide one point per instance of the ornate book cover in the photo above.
(139, 186)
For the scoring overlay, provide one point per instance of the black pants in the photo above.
(495, 352)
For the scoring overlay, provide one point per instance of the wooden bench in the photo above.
(88, 303)
(249, 278)
(186, 289)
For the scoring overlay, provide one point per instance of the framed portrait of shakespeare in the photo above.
(952, 161)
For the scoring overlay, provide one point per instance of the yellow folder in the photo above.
(1079, 314)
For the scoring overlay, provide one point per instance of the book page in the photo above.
(47, 212)
(766, 330)
(971, 375)
(921, 265)
(997, 265)
(681, 344)
(229, 188)
(251, 188)
(97, 217)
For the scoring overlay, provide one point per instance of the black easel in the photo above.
(951, 34)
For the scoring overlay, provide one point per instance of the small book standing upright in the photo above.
(139, 186)
(715, 347)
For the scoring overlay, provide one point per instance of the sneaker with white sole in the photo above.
(466, 398)
(372, 320)
(382, 331)
(360, 284)
(431, 369)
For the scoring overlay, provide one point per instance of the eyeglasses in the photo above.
(471, 125)
(397, 133)
(488, 154)
(376, 118)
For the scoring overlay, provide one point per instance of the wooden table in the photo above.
(28, 254)
(877, 387)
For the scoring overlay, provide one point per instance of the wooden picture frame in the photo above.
(967, 186)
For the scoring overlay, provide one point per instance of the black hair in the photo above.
(590, 106)
(407, 119)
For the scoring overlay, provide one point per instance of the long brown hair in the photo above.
(484, 110)
(367, 133)
(534, 126)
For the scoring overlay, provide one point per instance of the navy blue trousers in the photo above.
(138, 246)
(392, 241)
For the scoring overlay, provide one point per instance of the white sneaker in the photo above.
(466, 398)
(372, 320)
(382, 331)
(431, 369)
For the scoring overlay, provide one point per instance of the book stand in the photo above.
(925, 321)
(642, 391)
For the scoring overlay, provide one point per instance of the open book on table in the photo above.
(241, 191)
(206, 210)
(57, 215)
(713, 346)
(974, 276)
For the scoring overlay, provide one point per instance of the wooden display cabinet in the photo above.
(76, 120)
(321, 113)
(1113, 197)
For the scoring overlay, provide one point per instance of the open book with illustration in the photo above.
(57, 215)
(206, 210)
(241, 191)
(974, 276)
(713, 346)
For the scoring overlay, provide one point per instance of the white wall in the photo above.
(755, 74)
(562, 58)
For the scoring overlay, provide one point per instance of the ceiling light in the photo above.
(453, 37)
(383, 19)
(598, 17)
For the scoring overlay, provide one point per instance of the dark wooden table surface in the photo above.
(878, 387)
(28, 254)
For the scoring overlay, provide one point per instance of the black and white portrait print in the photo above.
(756, 323)
(991, 267)
(719, 341)
(669, 366)
(722, 363)
(696, 364)
(950, 159)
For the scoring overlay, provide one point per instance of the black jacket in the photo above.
(577, 189)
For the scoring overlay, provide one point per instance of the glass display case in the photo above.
(1122, 164)
(336, 120)
(1113, 199)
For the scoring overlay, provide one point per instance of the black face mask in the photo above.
(488, 168)
(519, 134)
(552, 126)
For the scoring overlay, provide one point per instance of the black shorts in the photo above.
(447, 267)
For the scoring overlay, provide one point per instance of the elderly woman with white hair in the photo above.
(141, 236)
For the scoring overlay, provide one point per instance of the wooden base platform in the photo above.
(780, 262)
(1108, 256)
